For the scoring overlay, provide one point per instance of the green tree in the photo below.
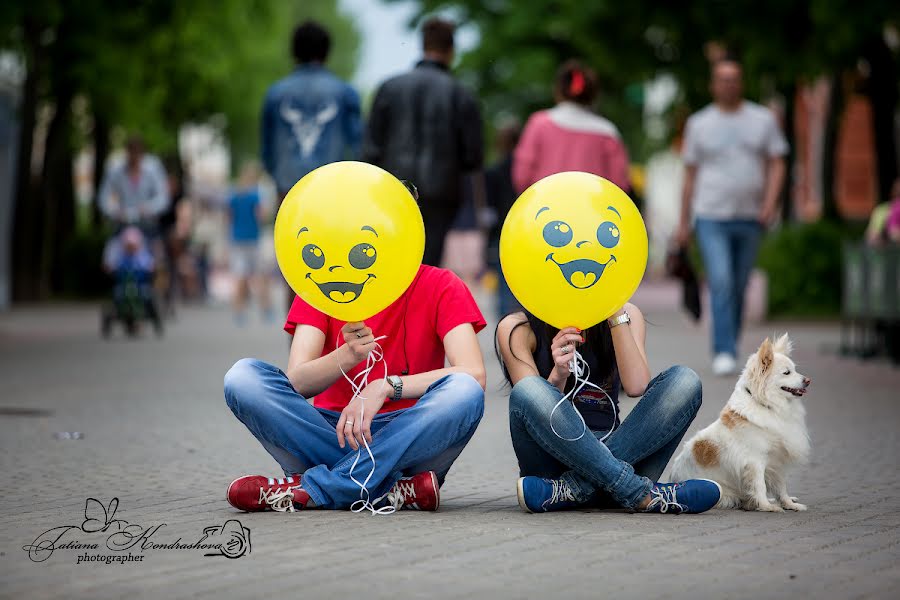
(145, 66)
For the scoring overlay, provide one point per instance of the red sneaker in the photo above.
(255, 493)
(419, 492)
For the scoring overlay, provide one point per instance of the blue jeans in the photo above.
(428, 436)
(729, 253)
(625, 467)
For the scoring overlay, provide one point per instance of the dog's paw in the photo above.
(792, 505)
(769, 507)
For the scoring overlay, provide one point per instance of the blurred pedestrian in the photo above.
(734, 171)
(175, 230)
(570, 136)
(310, 118)
(136, 192)
(465, 243)
(891, 228)
(245, 213)
(128, 260)
(500, 195)
(426, 128)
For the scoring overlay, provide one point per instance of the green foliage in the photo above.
(151, 65)
(803, 264)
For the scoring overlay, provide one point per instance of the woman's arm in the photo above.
(525, 156)
(517, 342)
(631, 357)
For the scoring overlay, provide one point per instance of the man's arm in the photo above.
(311, 373)
(687, 195)
(161, 198)
(352, 123)
(106, 200)
(267, 122)
(471, 143)
(376, 130)
(775, 172)
(463, 354)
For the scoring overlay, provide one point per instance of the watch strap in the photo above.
(620, 320)
(397, 384)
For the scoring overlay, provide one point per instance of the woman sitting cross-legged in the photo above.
(560, 470)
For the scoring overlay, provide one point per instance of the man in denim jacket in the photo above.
(310, 118)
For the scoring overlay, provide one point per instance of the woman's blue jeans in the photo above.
(625, 467)
(428, 436)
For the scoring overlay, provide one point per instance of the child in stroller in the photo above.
(130, 264)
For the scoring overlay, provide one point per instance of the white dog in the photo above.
(760, 433)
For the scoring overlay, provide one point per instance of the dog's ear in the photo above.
(766, 356)
(784, 345)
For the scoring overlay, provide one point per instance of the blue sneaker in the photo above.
(537, 494)
(690, 496)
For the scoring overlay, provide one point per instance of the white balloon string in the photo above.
(582, 372)
(357, 383)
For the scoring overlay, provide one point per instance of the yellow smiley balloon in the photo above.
(349, 239)
(573, 249)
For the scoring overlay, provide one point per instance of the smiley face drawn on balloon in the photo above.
(581, 271)
(349, 239)
(573, 249)
(361, 258)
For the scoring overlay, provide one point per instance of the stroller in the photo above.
(130, 264)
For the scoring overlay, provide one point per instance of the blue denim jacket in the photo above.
(309, 119)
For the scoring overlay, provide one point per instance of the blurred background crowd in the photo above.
(145, 146)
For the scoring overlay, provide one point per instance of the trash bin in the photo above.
(854, 281)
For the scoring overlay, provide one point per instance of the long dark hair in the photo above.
(598, 347)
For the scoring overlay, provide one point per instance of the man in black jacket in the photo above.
(426, 128)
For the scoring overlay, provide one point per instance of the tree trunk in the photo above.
(58, 193)
(786, 195)
(26, 243)
(101, 151)
(881, 89)
(829, 147)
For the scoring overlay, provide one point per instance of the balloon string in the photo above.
(357, 383)
(582, 372)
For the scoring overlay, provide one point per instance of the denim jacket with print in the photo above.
(309, 119)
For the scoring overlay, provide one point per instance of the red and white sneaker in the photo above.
(419, 492)
(254, 493)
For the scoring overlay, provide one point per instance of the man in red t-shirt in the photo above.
(418, 414)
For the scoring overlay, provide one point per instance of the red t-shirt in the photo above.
(435, 302)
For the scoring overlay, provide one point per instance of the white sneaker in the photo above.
(724, 364)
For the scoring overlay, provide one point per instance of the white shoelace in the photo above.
(561, 493)
(665, 498)
(582, 372)
(357, 383)
(396, 497)
(281, 500)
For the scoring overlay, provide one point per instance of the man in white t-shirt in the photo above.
(734, 169)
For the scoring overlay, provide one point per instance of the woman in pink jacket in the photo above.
(570, 136)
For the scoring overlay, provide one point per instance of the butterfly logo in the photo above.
(98, 517)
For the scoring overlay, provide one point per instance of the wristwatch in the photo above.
(620, 320)
(397, 384)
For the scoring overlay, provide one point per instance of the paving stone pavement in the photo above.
(158, 436)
